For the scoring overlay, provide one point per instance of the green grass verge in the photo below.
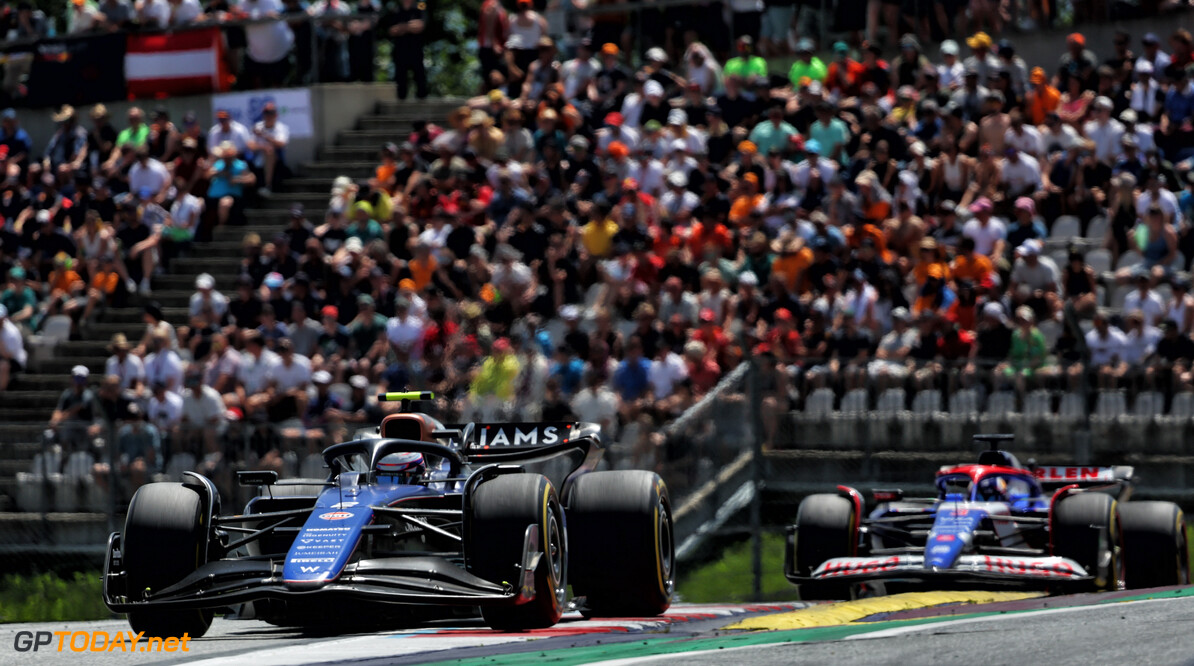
(46, 597)
(1190, 540)
(729, 579)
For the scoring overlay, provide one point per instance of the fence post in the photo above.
(756, 501)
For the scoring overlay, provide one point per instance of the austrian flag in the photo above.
(180, 63)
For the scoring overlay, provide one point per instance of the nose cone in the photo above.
(952, 534)
(324, 545)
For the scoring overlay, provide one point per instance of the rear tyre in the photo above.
(623, 551)
(1085, 528)
(162, 543)
(825, 528)
(502, 509)
(1155, 550)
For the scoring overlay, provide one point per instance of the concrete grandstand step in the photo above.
(345, 154)
(167, 297)
(131, 314)
(62, 365)
(44, 381)
(23, 399)
(320, 183)
(401, 126)
(10, 467)
(284, 200)
(201, 263)
(222, 248)
(371, 138)
(323, 173)
(21, 441)
(87, 349)
(29, 413)
(185, 281)
(102, 332)
(266, 227)
(431, 109)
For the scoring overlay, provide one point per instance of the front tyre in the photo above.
(502, 509)
(825, 529)
(620, 529)
(163, 542)
(1086, 528)
(1156, 553)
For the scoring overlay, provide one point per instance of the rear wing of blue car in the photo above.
(518, 440)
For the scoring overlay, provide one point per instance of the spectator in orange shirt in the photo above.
(747, 201)
(844, 71)
(708, 230)
(64, 280)
(103, 285)
(1040, 98)
(384, 173)
(969, 265)
(423, 266)
(929, 262)
(791, 263)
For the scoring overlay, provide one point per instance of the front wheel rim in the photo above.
(666, 546)
(555, 556)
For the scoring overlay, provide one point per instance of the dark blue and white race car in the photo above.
(419, 521)
(992, 524)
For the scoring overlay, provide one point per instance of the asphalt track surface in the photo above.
(1129, 628)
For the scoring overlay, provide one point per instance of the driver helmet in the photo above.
(993, 488)
(402, 468)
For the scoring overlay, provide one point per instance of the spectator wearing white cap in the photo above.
(13, 356)
(206, 297)
(163, 364)
(1020, 174)
(1035, 278)
(678, 159)
(891, 365)
(677, 128)
(1145, 299)
(648, 172)
(1141, 132)
(1144, 93)
(74, 418)
(1105, 344)
(651, 105)
(1104, 130)
(677, 202)
(951, 71)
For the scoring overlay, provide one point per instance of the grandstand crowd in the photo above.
(604, 235)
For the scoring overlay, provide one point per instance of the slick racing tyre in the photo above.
(826, 527)
(623, 552)
(502, 509)
(1155, 550)
(163, 542)
(1085, 528)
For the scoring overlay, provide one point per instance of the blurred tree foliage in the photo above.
(450, 52)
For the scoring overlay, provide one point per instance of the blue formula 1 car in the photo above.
(419, 521)
(992, 524)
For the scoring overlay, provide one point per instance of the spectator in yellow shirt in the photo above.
(598, 234)
(492, 389)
